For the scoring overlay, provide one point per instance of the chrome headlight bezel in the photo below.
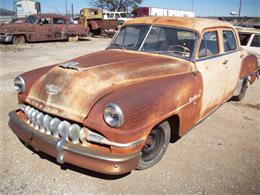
(19, 84)
(113, 115)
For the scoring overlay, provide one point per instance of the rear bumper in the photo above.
(78, 155)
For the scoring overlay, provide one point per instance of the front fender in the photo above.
(149, 103)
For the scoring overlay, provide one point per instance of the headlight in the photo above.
(19, 84)
(113, 115)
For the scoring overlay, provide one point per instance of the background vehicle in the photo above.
(121, 17)
(93, 19)
(153, 11)
(42, 27)
(250, 41)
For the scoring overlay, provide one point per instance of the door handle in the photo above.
(225, 62)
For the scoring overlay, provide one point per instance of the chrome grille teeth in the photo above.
(46, 123)
(54, 126)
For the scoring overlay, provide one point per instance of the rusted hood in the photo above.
(15, 27)
(71, 93)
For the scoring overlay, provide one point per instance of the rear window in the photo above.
(229, 41)
(244, 38)
(256, 41)
(209, 45)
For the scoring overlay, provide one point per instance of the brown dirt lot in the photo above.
(220, 155)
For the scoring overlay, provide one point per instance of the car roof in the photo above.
(197, 24)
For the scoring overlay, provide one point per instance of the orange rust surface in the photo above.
(249, 65)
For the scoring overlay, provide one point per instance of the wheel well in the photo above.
(21, 35)
(175, 125)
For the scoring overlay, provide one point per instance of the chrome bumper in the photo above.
(6, 38)
(63, 151)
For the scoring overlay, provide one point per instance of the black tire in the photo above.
(156, 145)
(19, 39)
(242, 92)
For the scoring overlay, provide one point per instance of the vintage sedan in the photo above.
(250, 41)
(41, 27)
(117, 110)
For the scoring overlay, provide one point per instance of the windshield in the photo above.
(164, 40)
(30, 19)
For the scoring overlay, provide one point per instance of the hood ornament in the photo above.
(71, 65)
(52, 89)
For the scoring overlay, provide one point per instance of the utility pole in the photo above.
(72, 11)
(66, 7)
(192, 5)
(14, 8)
(239, 12)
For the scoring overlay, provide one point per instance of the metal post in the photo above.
(72, 12)
(14, 8)
(66, 7)
(239, 12)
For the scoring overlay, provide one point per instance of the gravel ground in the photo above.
(220, 155)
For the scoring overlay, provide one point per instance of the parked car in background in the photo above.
(117, 110)
(41, 27)
(250, 41)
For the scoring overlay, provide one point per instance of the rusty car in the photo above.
(117, 110)
(41, 27)
(250, 41)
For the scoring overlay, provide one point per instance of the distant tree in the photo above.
(116, 5)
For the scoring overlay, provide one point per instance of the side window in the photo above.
(229, 41)
(209, 45)
(244, 38)
(256, 41)
(58, 21)
(45, 21)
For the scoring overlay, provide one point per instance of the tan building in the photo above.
(27, 7)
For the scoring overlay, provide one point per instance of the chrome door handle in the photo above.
(225, 62)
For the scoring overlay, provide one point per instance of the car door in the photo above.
(57, 28)
(213, 69)
(43, 29)
(233, 57)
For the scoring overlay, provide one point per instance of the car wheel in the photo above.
(242, 92)
(73, 38)
(18, 39)
(155, 146)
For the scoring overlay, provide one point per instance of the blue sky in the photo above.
(201, 7)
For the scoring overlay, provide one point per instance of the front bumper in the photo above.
(63, 151)
(6, 38)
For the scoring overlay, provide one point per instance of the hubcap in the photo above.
(153, 144)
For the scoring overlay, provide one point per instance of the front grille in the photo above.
(55, 126)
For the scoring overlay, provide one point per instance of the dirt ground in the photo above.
(220, 155)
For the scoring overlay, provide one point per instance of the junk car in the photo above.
(117, 110)
(250, 41)
(41, 27)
